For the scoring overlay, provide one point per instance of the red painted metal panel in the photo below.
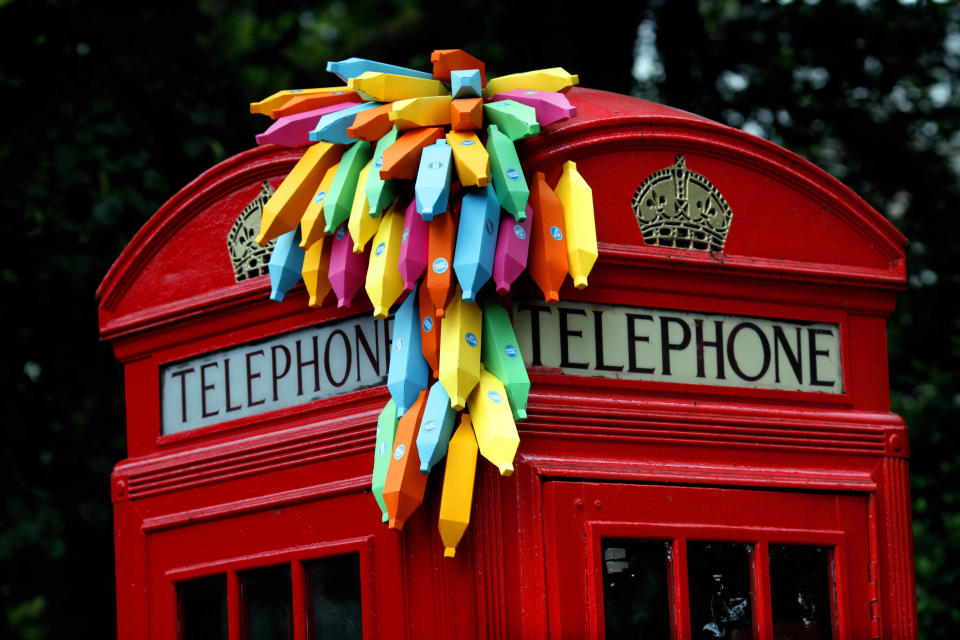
(580, 514)
(284, 486)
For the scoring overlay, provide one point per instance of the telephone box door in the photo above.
(681, 562)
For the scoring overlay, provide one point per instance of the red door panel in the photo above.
(719, 547)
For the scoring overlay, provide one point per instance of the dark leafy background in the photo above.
(108, 108)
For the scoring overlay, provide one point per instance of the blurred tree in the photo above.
(109, 108)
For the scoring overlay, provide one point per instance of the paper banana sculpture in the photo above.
(410, 182)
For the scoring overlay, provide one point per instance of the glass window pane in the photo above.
(202, 608)
(635, 597)
(266, 602)
(720, 596)
(800, 586)
(333, 592)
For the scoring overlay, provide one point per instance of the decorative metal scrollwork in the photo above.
(678, 208)
(249, 258)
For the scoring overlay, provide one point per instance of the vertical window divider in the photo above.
(234, 607)
(299, 592)
(679, 591)
(762, 610)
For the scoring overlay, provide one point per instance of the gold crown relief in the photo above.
(249, 259)
(678, 208)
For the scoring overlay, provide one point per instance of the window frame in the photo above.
(295, 557)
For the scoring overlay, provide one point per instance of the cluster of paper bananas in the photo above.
(396, 157)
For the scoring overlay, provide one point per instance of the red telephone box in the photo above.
(709, 452)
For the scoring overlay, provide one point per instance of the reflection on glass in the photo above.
(635, 589)
(333, 590)
(719, 577)
(800, 585)
(202, 608)
(266, 601)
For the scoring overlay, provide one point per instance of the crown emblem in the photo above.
(676, 207)
(250, 259)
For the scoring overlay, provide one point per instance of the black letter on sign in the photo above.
(226, 391)
(632, 337)
(598, 341)
(666, 346)
(565, 334)
(814, 352)
(250, 378)
(732, 353)
(183, 391)
(716, 343)
(286, 366)
(326, 358)
(301, 363)
(780, 340)
(535, 312)
(359, 339)
(203, 389)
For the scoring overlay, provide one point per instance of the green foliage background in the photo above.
(109, 108)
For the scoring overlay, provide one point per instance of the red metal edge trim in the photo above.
(653, 123)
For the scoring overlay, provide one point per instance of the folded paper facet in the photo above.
(432, 187)
(383, 452)
(547, 263)
(282, 212)
(457, 493)
(286, 264)
(384, 284)
(501, 356)
(408, 373)
(387, 87)
(460, 347)
(353, 67)
(506, 173)
(513, 249)
(470, 158)
(476, 240)
(493, 423)
(339, 199)
(435, 428)
(404, 486)
(576, 197)
(553, 79)
(294, 130)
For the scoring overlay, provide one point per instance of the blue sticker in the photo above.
(511, 350)
(493, 395)
(513, 174)
(440, 265)
(403, 238)
(556, 233)
(337, 93)
(382, 449)
(380, 248)
(340, 231)
(519, 232)
(427, 324)
(379, 429)
(379, 163)
(399, 451)
(319, 197)
(488, 225)
(467, 143)
(529, 93)
(398, 345)
(429, 425)
(471, 339)
(296, 90)
(436, 164)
